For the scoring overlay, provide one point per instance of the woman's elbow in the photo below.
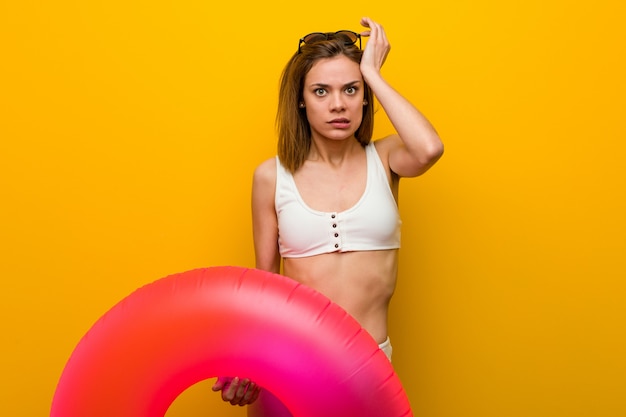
(434, 151)
(431, 154)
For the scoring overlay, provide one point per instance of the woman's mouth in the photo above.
(340, 123)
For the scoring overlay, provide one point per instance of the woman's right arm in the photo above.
(265, 232)
(264, 221)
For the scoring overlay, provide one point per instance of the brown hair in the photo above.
(294, 132)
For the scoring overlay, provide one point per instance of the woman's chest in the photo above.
(331, 191)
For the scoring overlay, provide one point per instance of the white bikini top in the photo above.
(373, 223)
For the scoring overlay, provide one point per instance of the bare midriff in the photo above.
(362, 283)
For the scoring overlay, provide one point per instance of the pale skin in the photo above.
(333, 178)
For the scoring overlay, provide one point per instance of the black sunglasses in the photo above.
(347, 36)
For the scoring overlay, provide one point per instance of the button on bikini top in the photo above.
(373, 223)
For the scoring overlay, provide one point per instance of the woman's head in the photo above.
(294, 129)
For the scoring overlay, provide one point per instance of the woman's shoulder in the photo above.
(384, 147)
(265, 172)
(385, 144)
(268, 164)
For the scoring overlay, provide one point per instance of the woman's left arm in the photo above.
(417, 146)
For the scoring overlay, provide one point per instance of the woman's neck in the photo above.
(333, 151)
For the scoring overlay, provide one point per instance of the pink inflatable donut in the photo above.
(181, 329)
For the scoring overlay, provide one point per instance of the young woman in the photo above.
(326, 206)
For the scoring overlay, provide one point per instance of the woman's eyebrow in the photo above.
(323, 85)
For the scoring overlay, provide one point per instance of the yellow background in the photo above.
(129, 131)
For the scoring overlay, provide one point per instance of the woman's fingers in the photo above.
(377, 47)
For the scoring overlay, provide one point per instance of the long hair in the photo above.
(294, 131)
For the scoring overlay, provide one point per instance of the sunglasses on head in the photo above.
(347, 36)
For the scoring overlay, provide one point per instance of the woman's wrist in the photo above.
(375, 81)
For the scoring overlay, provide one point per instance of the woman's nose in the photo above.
(337, 103)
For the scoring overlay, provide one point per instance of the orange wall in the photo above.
(129, 133)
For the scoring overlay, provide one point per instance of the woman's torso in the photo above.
(360, 280)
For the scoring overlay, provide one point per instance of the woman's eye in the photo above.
(320, 92)
(351, 90)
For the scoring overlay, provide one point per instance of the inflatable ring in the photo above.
(184, 328)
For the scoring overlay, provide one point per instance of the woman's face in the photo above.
(333, 97)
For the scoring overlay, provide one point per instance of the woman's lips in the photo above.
(340, 123)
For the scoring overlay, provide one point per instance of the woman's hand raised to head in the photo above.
(377, 47)
(237, 391)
